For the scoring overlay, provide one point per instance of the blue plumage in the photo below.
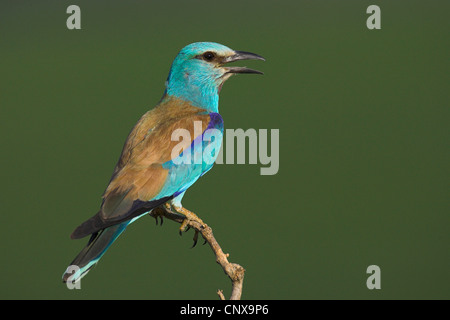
(194, 80)
(149, 174)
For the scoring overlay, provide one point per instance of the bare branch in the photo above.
(234, 271)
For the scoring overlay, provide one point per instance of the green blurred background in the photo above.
(364, 127)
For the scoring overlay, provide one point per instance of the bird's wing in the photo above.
(141, 181)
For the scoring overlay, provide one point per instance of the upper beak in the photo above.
(242, 55)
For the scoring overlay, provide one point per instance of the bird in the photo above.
(149, 174)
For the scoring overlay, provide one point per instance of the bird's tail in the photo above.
(94, 250)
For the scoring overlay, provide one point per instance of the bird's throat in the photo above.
(202, 96)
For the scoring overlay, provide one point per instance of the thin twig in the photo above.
(233, 270)
(221, 296)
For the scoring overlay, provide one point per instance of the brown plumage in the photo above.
(139, 175)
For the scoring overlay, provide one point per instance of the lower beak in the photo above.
(242, 55)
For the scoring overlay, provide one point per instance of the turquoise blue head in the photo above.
(198, 72)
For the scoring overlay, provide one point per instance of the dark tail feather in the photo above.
(94, 250)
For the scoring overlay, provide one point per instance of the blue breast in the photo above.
(196, 160)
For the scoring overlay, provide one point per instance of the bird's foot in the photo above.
(188, 216)
(157, 212)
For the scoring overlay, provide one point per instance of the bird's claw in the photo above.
(195, 233)
(188, 217)
(184, 229)
(184, 226)
(155, 214)
(195, 239)
(162, 220)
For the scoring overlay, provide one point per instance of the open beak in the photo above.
(242, 55)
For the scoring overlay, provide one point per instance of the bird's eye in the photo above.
(208, 56)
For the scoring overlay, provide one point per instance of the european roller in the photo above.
(149, 174)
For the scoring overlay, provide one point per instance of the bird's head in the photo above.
(198, 72)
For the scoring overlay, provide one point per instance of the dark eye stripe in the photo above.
(207, 56)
